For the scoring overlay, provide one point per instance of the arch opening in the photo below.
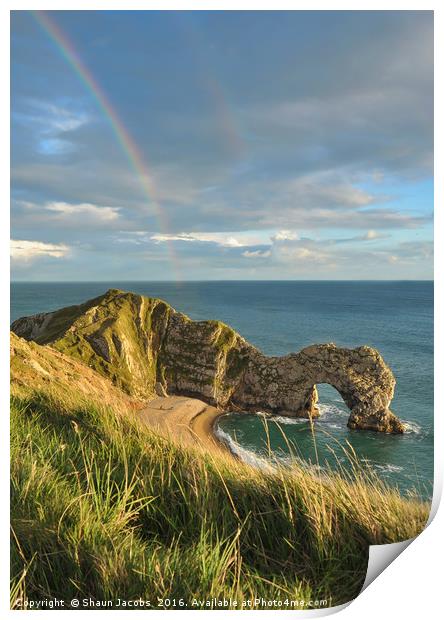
(328, 394)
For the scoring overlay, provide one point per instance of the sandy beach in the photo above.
(186, 420)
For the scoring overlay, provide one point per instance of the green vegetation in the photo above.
(104, 509)
(60, 320)
(121, 336)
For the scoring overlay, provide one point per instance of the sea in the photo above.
(282, 317)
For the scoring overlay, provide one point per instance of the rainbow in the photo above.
(124, 139)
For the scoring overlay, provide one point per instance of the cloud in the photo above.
(49, 118)
(51, 126)
(26, 251)
(290, 235)
(325, 189)
(283, 235)
(299, 169)
(370, 235)
(56, 217)
(99, 213)
(303, 254)
(367, 107)
(236, 240)
(276, 200)
(322, 218)
(279, 248)
(64, 120)
(257, 254)
(411, 251)
(312, 145)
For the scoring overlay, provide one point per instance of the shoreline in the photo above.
(185, 420)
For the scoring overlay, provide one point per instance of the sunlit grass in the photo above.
(104, 508)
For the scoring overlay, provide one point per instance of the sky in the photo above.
(241, 145)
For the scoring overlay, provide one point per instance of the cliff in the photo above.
(40, 369)
(144, 346)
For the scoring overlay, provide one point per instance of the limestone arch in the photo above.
(287, 385)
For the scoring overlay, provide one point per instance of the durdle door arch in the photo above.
(287, 385)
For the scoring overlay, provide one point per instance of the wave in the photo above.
(326, 412)
(328, 419)
(269, 464)
(244, 454)
(338, 427)
(388, 468)
(326, 409)
(280, 419)
(412, 427)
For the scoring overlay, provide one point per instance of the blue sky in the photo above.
(280, 145)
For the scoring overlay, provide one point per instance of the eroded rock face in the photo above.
(145, 347)
(360, 376)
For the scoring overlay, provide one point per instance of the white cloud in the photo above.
(22, 250)
(257, 254)
(227, 240)
(68, 122)
(180, 237)
(372, 234)
(307, 251)
(284, 235)
(51, 125)
(95, 212)
(53, 118)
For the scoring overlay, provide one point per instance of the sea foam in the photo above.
(245, 455)
(411, 427)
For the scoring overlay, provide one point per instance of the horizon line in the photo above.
(221, 280)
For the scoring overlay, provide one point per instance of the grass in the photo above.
(102, 508)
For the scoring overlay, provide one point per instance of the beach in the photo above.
(188, 421)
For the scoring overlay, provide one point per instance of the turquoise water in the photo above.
(280, 317)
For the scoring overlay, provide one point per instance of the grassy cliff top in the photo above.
(121, 335)
(51, 326)
(112, 305)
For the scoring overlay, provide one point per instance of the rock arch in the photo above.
(287, 385)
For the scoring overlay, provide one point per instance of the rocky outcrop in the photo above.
(360, 375)
(145, 347)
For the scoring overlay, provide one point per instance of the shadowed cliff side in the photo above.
(144, 346)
